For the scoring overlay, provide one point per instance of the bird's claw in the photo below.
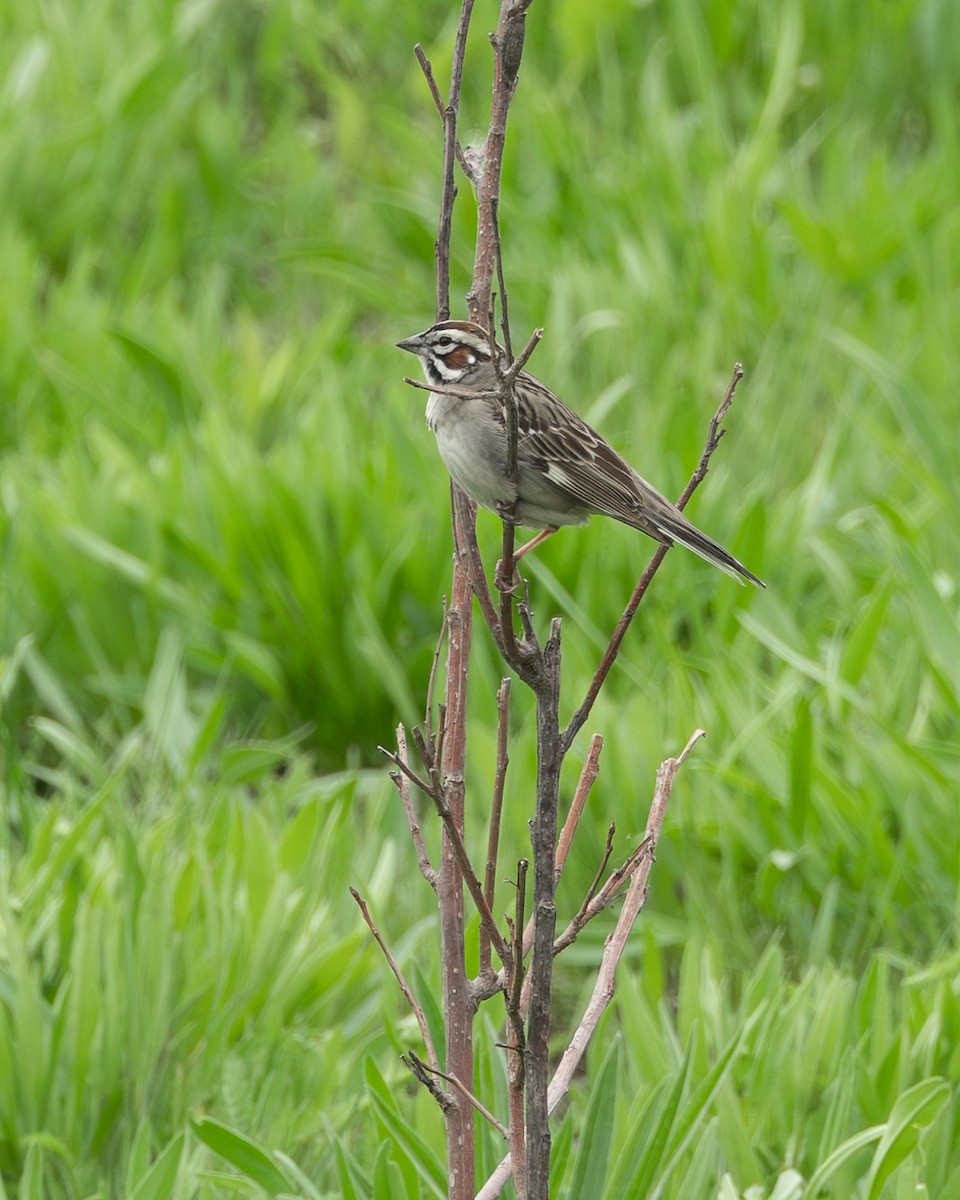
(507, 584)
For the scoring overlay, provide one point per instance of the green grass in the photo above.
(225, 540)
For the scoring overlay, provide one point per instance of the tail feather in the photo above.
(679, 529)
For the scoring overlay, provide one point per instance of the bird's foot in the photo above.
(504, 583)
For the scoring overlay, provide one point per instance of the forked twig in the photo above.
(442, 109)
(422, 1072)
(596, 900)
(465, 1093)
(613, 951)
(417, 780)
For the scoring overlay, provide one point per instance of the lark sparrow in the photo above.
(566, 471)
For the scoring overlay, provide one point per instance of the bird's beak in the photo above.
(412, 344)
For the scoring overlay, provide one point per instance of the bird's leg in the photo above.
(533, 543)
(502, 583)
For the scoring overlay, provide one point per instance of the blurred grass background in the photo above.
(225, 541)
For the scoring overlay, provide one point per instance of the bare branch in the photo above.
(714, 434)
(502, 284)
(496, 807)
(428, 75)
(416, 834)
(467, 1095)
(588, 774)
(418, 780)
(427, 69)
(507, 51)
(507, 578)
(468, 557)
(449, 153)
(422, 1072)
(452, 830)
(607, 852)
(523, 358)
(510, 648)
(458, 1009)
(441, 738)
(428, 713)
(543, 839)
(618, 878)
(613, 951)
(404, 986)
(448, 389)
(516, 1047)
(596, 901)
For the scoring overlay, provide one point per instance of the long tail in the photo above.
(677, 528)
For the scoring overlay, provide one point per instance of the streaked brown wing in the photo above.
(575, 458)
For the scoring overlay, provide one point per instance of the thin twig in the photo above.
(516, 1045)
(596, 901)
(468, 555)
(507, 578)
(502, 285)
(516, 981)
(543, 840)
(441, 109)
(507, 51)
(449, 389)
(404, 986)
(618, 877)
(588, 774)
(421, 1072)
(467, 1095)
(428, 714)
(411, 774)
(449, 154)
(441, 738)
(496, 808)
(512, 651)
(714, 434)
(502, 948)
(416, 834)
(460, 851)
(511, 419)
(524, 356)
(458, 1009)
(427, 756)
(605, 858)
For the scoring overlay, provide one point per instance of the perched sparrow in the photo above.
(566, 470)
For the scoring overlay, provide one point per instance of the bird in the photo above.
(566, 472)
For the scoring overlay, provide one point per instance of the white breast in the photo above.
(471, 445)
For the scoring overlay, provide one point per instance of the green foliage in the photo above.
(224, 544)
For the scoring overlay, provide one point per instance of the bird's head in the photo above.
(451, 352)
